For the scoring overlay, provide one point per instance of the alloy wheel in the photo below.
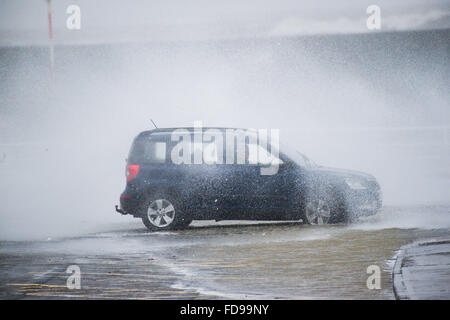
(318, 212)
(161, 213)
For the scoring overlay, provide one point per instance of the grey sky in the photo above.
(25, 21)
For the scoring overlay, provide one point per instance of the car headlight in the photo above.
(355, 184)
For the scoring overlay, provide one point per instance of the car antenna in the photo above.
(154, 123)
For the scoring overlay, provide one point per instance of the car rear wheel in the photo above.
(163, 213)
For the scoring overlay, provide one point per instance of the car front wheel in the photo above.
(317, 212)
(324, 209)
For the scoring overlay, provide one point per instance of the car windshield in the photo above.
(297, 156)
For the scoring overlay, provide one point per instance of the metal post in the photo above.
(50, 34)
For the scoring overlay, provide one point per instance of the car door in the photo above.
(202, 172)
(253, 191)
(270, 194)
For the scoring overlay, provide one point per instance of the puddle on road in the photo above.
(332, 266)
(288, 260)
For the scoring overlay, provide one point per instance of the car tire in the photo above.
(324, 208)
(163, 212)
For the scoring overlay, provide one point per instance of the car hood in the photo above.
(343, 173)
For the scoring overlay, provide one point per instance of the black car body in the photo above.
(167, 194)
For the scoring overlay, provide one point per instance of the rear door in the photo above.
(201, 163)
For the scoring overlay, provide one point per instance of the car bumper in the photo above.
(365, 202)
(121, 211)
(368, 208)
(129, 204)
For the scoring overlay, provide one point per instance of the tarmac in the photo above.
(422, 271)
(242, 260)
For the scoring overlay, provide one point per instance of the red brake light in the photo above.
(132, 171)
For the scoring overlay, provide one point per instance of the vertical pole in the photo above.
(50, 34)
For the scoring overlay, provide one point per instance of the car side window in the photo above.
(147, 151)
(208, 150)
(156, 152)
(258, 155)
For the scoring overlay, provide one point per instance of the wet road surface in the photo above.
(422, 270)
(221, 260)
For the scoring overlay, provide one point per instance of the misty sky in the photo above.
(383, 111)
(24, 22)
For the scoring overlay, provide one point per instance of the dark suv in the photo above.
(176, 175)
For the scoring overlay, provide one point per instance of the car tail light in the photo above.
(132, 171)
